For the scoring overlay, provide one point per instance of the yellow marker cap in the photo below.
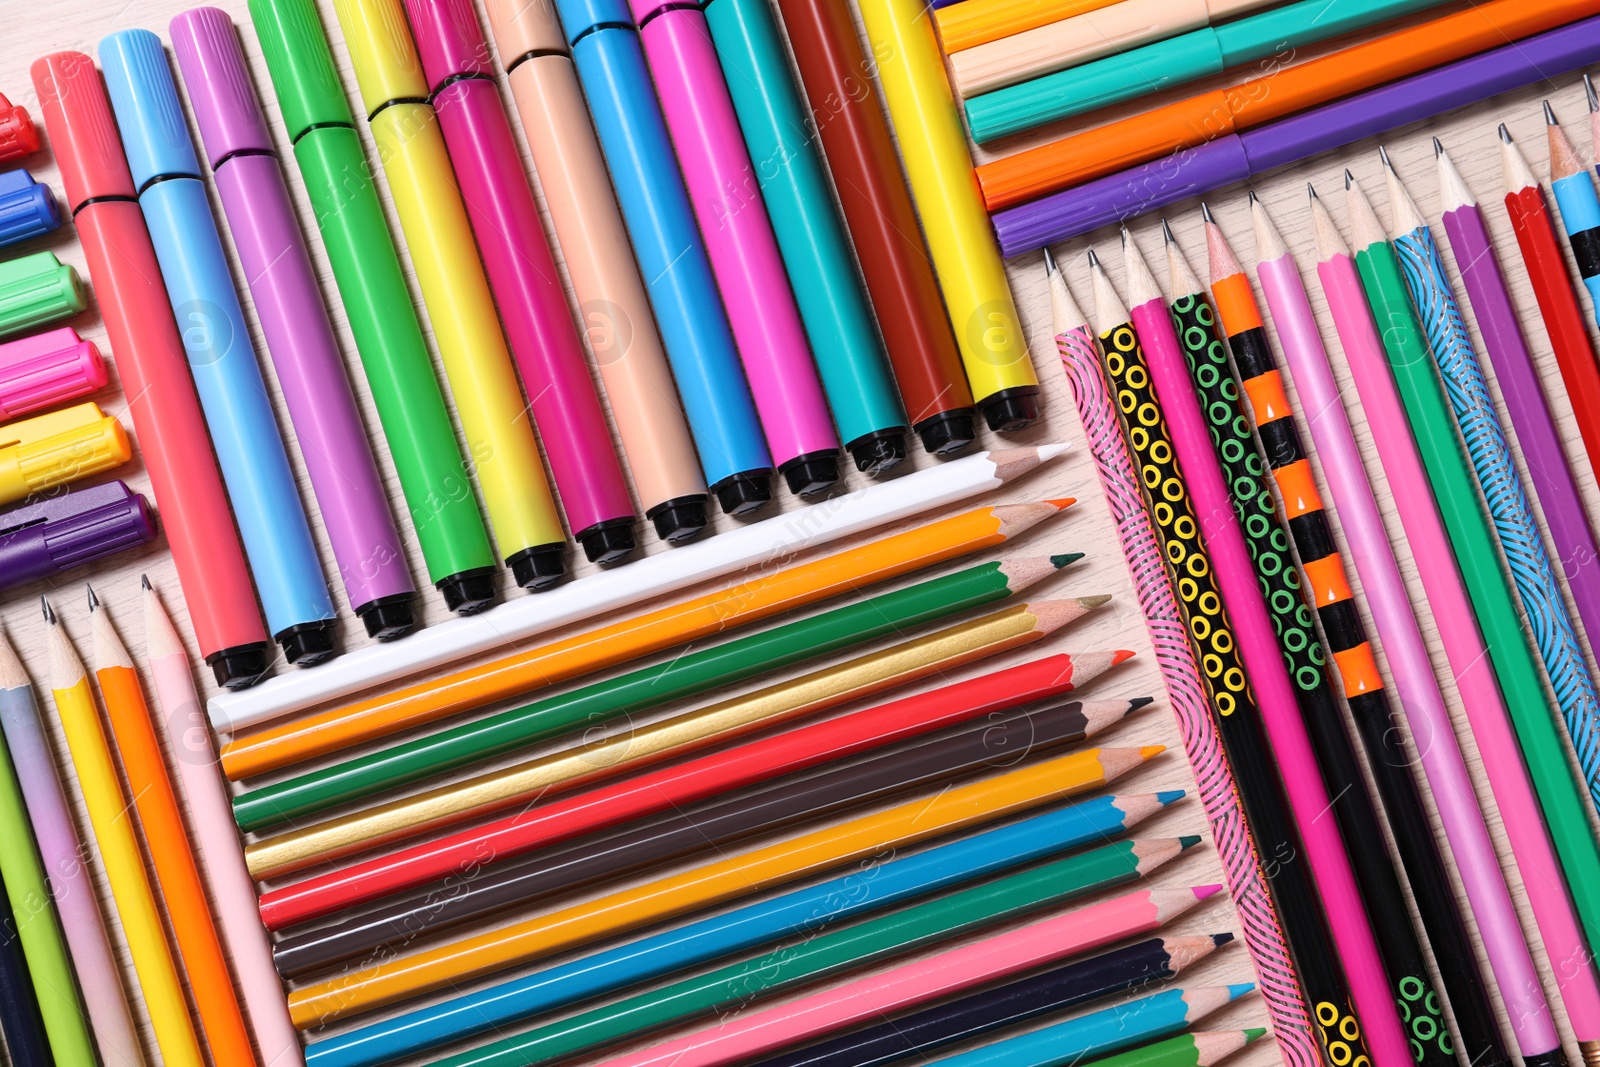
(382, 52)
(50, 450)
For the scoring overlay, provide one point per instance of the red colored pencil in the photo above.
(680, 784)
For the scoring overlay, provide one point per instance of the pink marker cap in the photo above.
(43, 370)
(225, 102)
(83, 133)
(523, 26)
(449, 39)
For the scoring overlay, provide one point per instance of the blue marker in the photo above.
(27, 209)
(672, 257)
(255, 469)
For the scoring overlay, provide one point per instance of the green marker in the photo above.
(1175, 61)
(35, 290)
(816, 256)
(1477, 555)
(416, 424)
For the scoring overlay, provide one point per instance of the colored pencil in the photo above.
(730, 988)
(522, 274)
(809, 911)
(69, 907)
(1509, 507)
(1283, 91)
(895, 262)
(933, 145)
(1165, 64)
(166, 414)
(615, 320)
(1199, 1049)
(1151, 334)
(112, 820)
(467, 851)
(1453, 614)
(216, 841)
(616, 643)
(1594, 113)
(1239, 720)
(982, 21)
(690, 674)
(1420, 698)
(1238, 157)
(1579, 204)
(635, 745)
(976, 746)
(1144, 963)
(1304, 524)
(167, 840)
(724, 879)
(1558, 304)
(1147, 551)
(739, 1037)
(747, 546)
(1473, 544)
(20, 1019)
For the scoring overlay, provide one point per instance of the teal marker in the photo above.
(1175, 61)
(822, 271)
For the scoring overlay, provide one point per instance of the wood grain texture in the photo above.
(80, 24)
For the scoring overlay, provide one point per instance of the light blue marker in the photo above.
(255, 468)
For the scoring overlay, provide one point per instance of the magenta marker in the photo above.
(744, 253)
(272, 253)
(522, 275)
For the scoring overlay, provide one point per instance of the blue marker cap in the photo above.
(154, 132)
(27, 208)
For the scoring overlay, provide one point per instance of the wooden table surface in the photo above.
(81, 24)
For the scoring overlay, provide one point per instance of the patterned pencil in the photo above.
(1304, 522)
(1193, 697)
(1501, 484)
(1575, 193)
(1240, 721)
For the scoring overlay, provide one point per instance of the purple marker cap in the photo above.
(224, 99)
(46, 369)
(42, 540)
(449, 39)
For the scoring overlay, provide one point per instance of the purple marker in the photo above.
(272, 252)
(1236, 157)
(42, 540)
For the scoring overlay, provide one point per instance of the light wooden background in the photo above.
(80, 24)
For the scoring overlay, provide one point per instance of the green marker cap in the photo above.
(303, 74)
(37, 289)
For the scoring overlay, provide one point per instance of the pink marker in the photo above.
(47, 369)
(522, 275)
(744, 253)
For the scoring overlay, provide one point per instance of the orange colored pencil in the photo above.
(167, 839)
(1204, 117)
(340, 727)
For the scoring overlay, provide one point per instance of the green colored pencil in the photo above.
(683, 676)
(1200, 1049)
(1478, 557)
(855, 947)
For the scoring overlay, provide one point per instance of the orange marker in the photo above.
(1197, 119)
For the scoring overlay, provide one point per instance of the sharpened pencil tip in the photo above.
(144, 582)
(1589, 91)
(1169, 796)
(1222, 939)
(1205, 211)
(1094, 260)
(1140, 702)
(1062, 503)
(1383, 157)
(1151, 751)
(1065, 559)
(49, 612)
(94, 601)
(1203, 891)
(1349, 179)
(1550, 115)
(1438, 148)
(1239, 989)
(1095, 601)
(1251, 194)
(1188, 841)
(1121, 655)
(1166, 231)
(1253, 1033)
(1126, 237)
(1311, 192)
(1049, 262)
(1505, 134)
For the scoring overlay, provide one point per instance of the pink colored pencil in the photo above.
(1424, 705)
(1258, 645)
(744, 252)
(742, 1038)
(1463, 644)
(1080, 355)
(217, 840)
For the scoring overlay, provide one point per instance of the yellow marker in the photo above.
(500, 444)
(966, 258)
(50, 450)
(741, 875)
(111, 817)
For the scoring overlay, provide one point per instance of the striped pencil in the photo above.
(1498, 479)
(1240, 719)
(1473, 665)
(1418, 690)
(1574, 189)
(1194, 696)
(1304, 523)
(1269, 675)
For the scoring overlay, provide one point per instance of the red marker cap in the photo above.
(18, 138)
(77, 113)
